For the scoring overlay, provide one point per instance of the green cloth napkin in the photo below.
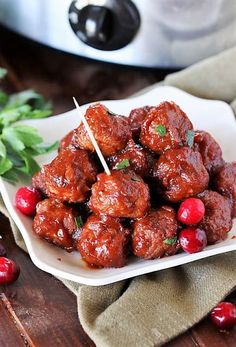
(152, 309)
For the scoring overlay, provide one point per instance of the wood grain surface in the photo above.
(37, 310)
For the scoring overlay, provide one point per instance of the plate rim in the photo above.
(108, 279)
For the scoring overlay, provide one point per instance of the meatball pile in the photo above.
(169, 188)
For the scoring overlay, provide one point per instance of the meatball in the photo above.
(217, 221)
(180, 173)
(69, 141)
(38, 182)
(165, 127)
(103, 242)
(111, 131)
(55, 223)
(69, 176)
(121, 194)
(136, 117)
(225, 183)
(210, 151)
(155, 235)
(135, 157)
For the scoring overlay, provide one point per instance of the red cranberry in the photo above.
(191, 211)
(224, 315)
(3, 252)
(9, 271)
(192, 240)
(26, 200)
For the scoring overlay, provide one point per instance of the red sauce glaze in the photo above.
(210, 151)
(176, 124)
(136, 117)
(225, 183)
(110, 131)
(217, 221)
(69, 141)
(38, 182)
(122, 194)
(181, 173)
(155, 235)
(103, 242)
(140, 160)
(69, 176)
(55, 223)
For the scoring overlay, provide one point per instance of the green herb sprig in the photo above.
(19, 143)
(170, 241)
(122, 165)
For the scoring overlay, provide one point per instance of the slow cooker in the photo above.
(149, 33)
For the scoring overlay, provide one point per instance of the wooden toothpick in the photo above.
(92, 138)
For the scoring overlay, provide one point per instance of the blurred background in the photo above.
(47, 43)
(150, 33)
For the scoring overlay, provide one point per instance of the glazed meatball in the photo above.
(69, 176)
(217, 221)
(38, 182)
(155, 235)
(210, 151)
(55, 223)
(225, 183)
(180, 174)
(69, 141)
(111, 131)
(136, 117)
(135, 157)
(121, 194)
(103, 242)
(165, 127)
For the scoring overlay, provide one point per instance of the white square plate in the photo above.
(213, 116)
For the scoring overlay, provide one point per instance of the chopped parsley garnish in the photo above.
(79, 222)
(122, 165)
(190, 138)
(170, 241)
(161, 130)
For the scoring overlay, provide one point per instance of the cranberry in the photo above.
(26, 200)
(224, 315)
(191, 211)
(3, 252)
(192, 239)
(9, 271)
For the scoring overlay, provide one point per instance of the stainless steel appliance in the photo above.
(151, 33)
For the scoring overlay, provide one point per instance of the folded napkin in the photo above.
(152, 309)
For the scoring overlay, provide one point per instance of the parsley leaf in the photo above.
(122, 165)
(190, 138)
(79, 222)
(170, 241)
(19, 143)
(5, 165)
(161, 130)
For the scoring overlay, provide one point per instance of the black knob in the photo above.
(108, 27)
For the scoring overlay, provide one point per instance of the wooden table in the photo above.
(38, 310)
